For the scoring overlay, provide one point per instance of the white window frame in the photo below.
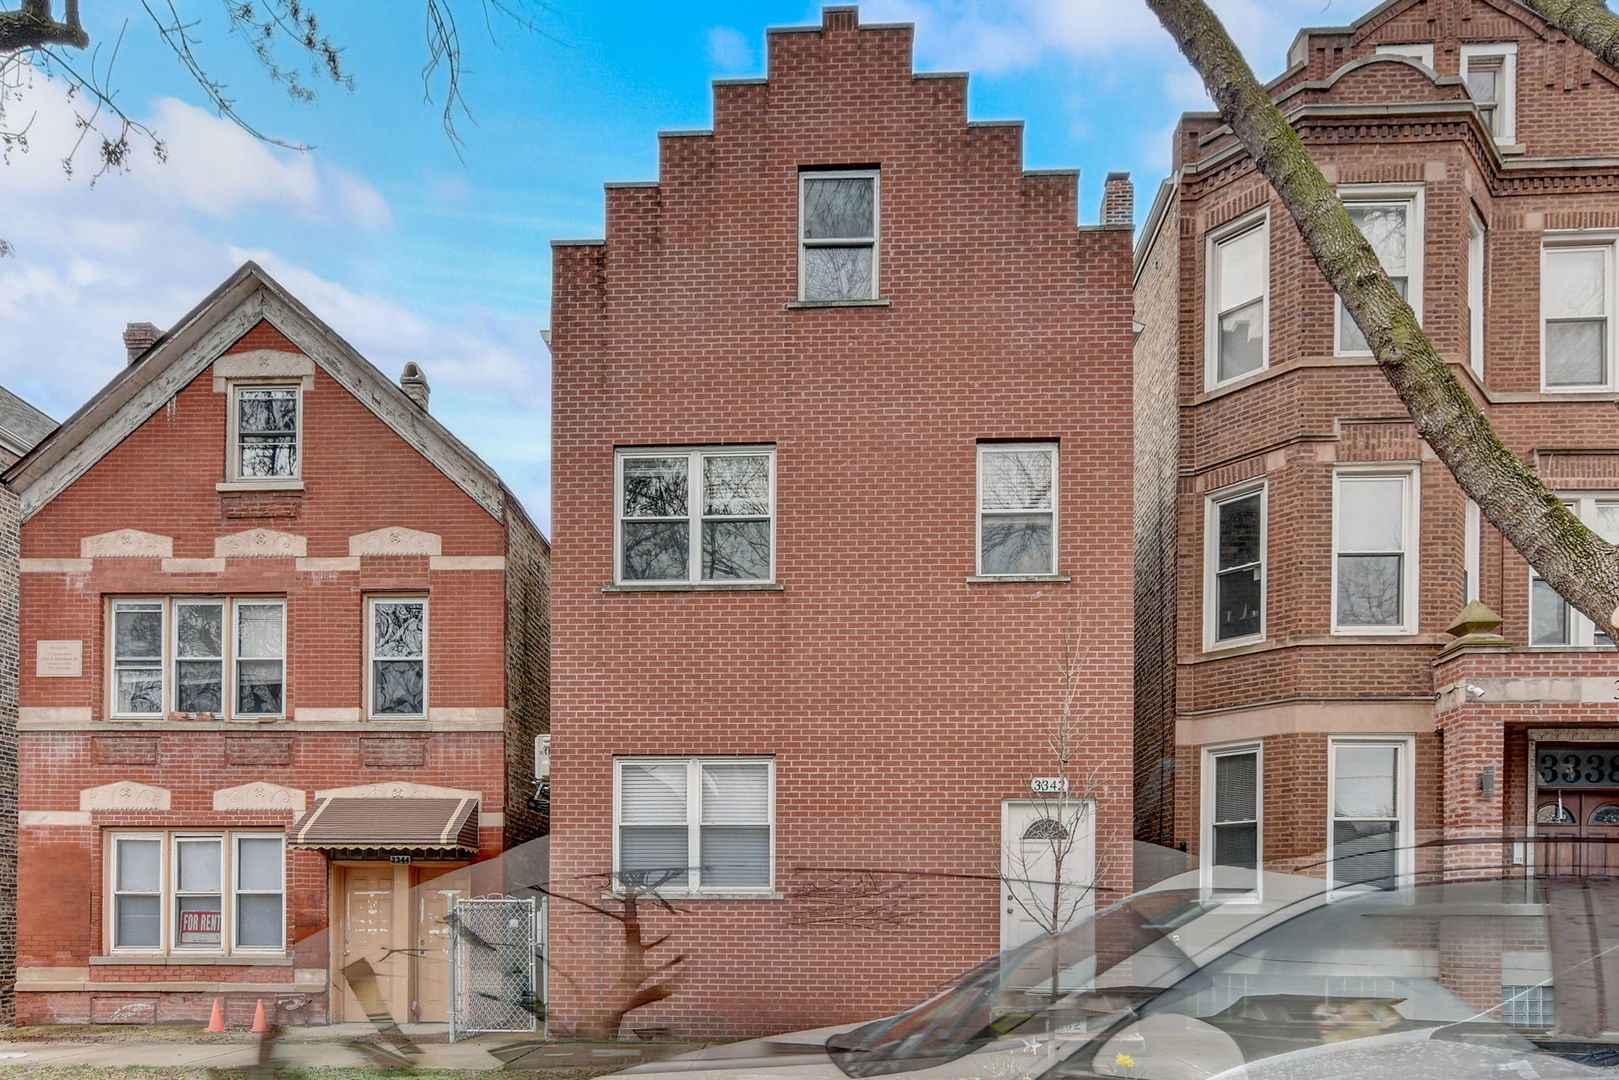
(694, 516)
(1211, 557)
(236, 658)
(1411, 562)
(1506, 105)
(168, 662)
(1209, 794)
(1415, 248)
(168, 906)
(116, 605)
(1477, 249)
(371, 657)
(172, 642)
(233, 448)
(236, 891)
(1422, 52)
(1582, 632)
(1232, 230)
(1404, 793)
(694, 820)
(1472, 550)
(1053, 448)
(1577, 241)
(874, 241)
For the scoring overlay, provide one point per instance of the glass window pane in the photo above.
(655, 486)
(1606, 521)
(656, 551)
(650, 857)
(139, 690)
(1241, 268)
(1369, 592)
(1576, 283)
(735, 855)
(397, 628)
(1236, 787)
(199, 686)
(736, 793)
(1239, 601)
(269, 455)
(1365, 852)
(1364, 781)
(838, 273)
(1576, 353)
(258, 630)
(138, 633)
(273, 410)
(139, 865)
(1016, 480)
(1242, 341)
(199, 629)
(839, 208)
(197, 921)
(736, 485)
(1017, 544)
(736, 550)
(1239, 531)
(652, 792)
(1371, 513)
(399, 689)
(1481, 83)
(258, 687)
(258, 863)
(1384, 226)
(1236, 845)
(1548, 615)
(197, 865)
(258, 921)
(137, 922)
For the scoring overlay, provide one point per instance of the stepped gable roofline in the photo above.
(187, 349)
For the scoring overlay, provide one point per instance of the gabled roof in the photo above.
(195, 342)
(21, 425)
(1388, 9)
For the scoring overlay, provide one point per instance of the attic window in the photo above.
(1491, 72)
(266, 426)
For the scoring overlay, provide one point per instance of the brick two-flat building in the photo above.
(284, 646)
(1302, 556)
(841, 486)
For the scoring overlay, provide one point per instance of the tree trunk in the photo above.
(1575, 561)
(33, 27)
(1586, 21)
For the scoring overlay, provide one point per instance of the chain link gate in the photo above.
(492, 968)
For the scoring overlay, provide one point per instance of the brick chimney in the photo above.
(138, 337)
(1118, 200)
(414, 384)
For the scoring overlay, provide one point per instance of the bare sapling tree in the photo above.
(1568, 554)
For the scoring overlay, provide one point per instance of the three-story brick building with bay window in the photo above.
(283, 663)
(842, 450)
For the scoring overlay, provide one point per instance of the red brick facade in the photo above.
(900, 696)
(1382, 127)
(131, 499)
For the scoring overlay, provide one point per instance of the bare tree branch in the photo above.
(32, 27)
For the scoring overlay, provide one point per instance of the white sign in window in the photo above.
(182, 892)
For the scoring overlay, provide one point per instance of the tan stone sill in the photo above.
(762, 586)
(800, 305)
(1005, 579)
(682, 897)
(259, 485)
(1303, 641)
(174, 960)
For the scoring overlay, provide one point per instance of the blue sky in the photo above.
(415, 255)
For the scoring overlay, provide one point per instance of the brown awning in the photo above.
(367, 828)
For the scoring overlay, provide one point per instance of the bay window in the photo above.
(1552, 620)
(1374, 562)
(1237, 302)
(1391, 221)
(1577, 301)
(1234, 560)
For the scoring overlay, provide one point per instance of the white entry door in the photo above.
(1036, 836)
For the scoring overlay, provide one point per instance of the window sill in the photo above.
(260, 485)
(176, 960)
(715, 586)
(1000, 579)
(683, 896)
(799, 305)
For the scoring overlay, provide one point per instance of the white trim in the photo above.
(695, 457)
(236, 656)
(236, 892)
(1410, 563)
(1232, 230)
(1404, 793)
(694, 792)
(233, 450)
(1584, 241)
(1053, 448)
(1422, 52)
(371, 603)
(1507, 101)
(171, 668)
(1582, 632)
(168, 892)
(1413, 195)
(1477, 268)
(1206, 819)
(875, 176)
(1212, 501)
(1472, 549)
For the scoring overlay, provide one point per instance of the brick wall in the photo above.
(528, 669)
(8, 755)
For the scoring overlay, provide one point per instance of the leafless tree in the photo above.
(1577, 562)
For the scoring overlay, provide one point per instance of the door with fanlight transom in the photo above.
(1577, 810)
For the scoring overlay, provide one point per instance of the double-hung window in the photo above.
(1391, 221)
(1491, 72)
(837, 235)
(1231, 842)
(398, 648)
(196, 892)
(1017, 509)
(1552, 620)
(699, 516)
(1370, 822)
(265, 432)
(1234, 560)
(1238, 294)
(1577, 303)
(187, 654)
(694, 824)
(1374, 564)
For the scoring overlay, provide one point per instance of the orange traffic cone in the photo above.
(216, 1019)
(260, 1023)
